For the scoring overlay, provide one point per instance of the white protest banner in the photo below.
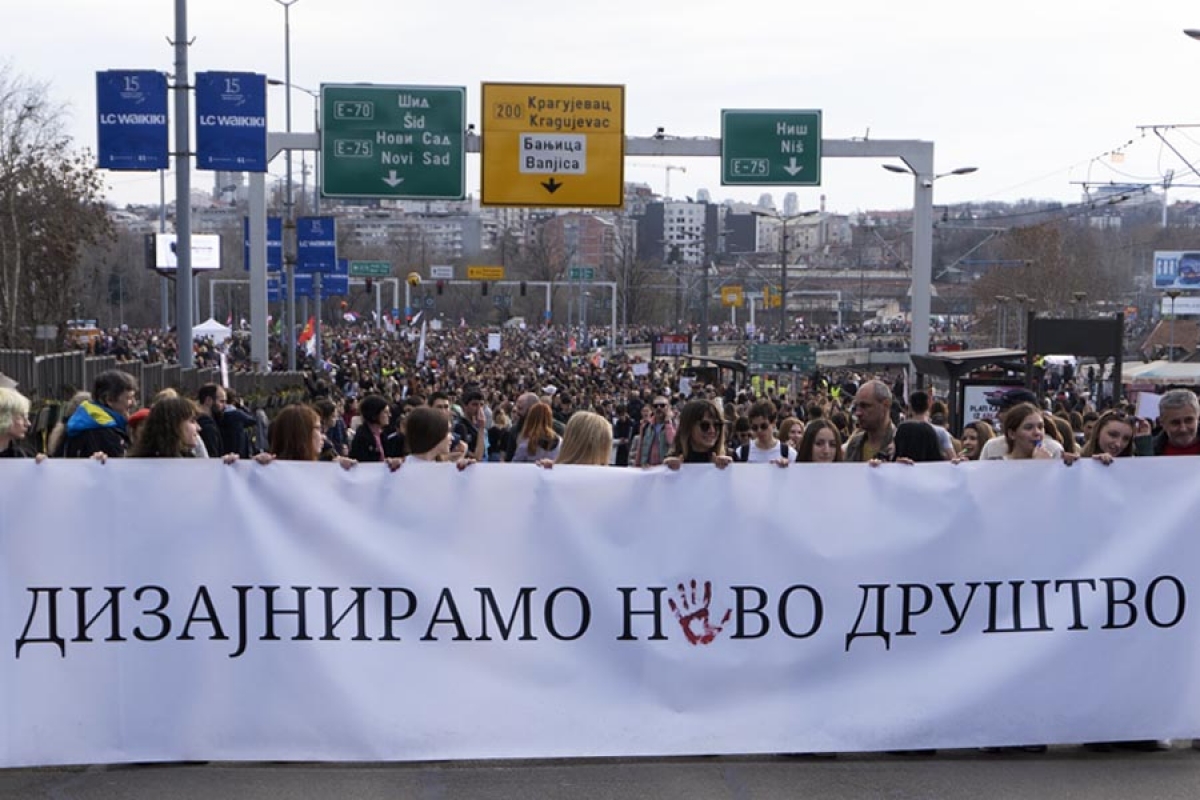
(182, 610)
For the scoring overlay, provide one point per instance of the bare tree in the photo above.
(50, 210)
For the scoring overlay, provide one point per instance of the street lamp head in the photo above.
(964, 170)
(1192, 32)
(897, 168)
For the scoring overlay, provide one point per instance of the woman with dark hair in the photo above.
(373, 441)
(821, 443)
(170, 430)
(974, 436)
(915, 442)
(429, 437)
(296, 434)
(700, 437)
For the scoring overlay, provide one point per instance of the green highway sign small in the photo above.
(393, 141)
(581, 274)
(370, 269)
(761, 148)
(770, 357)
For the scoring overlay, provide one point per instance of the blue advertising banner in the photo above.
(231, 121)
(304, 285)
(335, 285)
(277, 287)
(131, 118)
(316, 244)
(274, 243)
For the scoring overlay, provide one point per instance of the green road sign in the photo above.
(393, 141)
(772, 357)
(760, 148)
(370, 269)
(581, 274)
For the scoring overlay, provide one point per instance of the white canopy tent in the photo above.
(212, 329)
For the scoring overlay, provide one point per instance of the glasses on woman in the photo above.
(707, 425)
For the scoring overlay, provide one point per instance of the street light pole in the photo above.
(783, 276)
(1172, 293)
(289, 261)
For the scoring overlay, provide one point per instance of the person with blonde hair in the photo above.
(587, 440)
(14, 424)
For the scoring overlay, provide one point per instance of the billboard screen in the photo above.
(206, 252)
(1177, 269)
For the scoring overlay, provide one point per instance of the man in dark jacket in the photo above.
(99, 424)
(1179, 416)
(212, 400)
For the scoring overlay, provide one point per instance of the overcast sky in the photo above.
(1035, 93)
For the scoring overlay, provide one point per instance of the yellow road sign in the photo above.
(732, 297)
(553, 145)
(485, 273)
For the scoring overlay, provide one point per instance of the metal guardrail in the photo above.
(57, 376)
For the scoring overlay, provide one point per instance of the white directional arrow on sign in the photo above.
(393, 181)
(792, 167)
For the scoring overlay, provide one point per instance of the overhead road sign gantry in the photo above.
(393, 141)
(763, 147)
(553, 145)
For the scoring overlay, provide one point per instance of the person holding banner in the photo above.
(429, 437)
(14, 424)
(171, 430)
(296, 434)
(588, 441)
(821, 443)
(373, 441)
(99, 425)
(538, 439)
(1112, 437)
(700, 438)
(1024, 430)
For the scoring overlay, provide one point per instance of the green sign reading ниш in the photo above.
(770, 148)
(393, 141)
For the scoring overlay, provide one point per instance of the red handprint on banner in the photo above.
(692, 613)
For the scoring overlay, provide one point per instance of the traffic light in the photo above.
(523, 288)
(441, 286)
(370, 285)
(483, 288)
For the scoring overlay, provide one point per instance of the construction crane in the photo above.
(666, 168)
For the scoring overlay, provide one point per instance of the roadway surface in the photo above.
(1067, 772)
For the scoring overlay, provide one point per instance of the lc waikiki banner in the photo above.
(191, 610)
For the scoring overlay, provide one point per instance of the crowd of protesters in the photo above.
(513, 402)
